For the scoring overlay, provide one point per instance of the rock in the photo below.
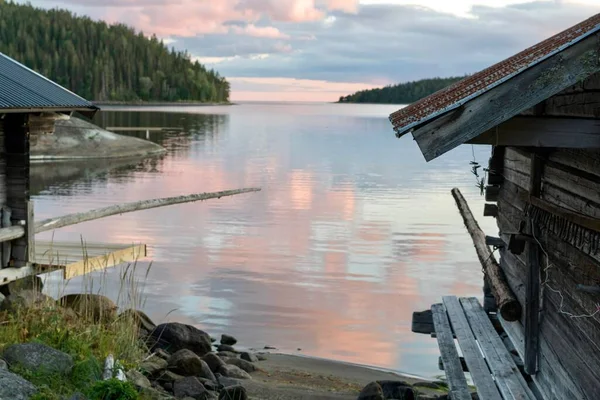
(261, 357)
(227, 354)
(39, 358)
(209, 384)
(168, 386)
(167, 377)
(138, 379)
(162, 354)
(233, 392)
(212, 339)
(94, 306)
(226, 347)
(228, 340)
(372, 391)
(25, 299)
(474, 396)
(174, 336)
(214, 361)
(429, 385)
(153, 394)
(3, 364)
(397, 390)
(187, 363)
(14, 387)
(250, 357)
(33, 283)
(78, 396)
(226, 382)
(231, 371)
(189, 387)
(242, 364)
(153, 365)
(141, 320)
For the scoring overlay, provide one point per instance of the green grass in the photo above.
(88, 340)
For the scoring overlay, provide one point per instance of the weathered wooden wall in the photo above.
(579, 100)
(569, 366)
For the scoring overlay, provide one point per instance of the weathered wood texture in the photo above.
(569, 326)
(579, 100)
(72, 219)
(520, 93)
(506, 302)
(452, 366)
(16, 146)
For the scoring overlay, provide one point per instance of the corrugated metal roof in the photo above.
(460, 92)
(23, 88)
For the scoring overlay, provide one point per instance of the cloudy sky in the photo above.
(321, 49)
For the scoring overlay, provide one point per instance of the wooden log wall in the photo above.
(569, 326)
(579, 100)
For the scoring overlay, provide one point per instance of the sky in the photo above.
(318, 50)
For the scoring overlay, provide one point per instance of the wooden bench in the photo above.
(493, 370)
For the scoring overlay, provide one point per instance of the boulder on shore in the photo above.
(214, 361)
(25, 299)
(94, 306)
(187, 363)
(242, 364)
(14, 387)
(229, 340)
(384, 390)
(38, 357)
(189, 387)
(231, 371)
(174, 336)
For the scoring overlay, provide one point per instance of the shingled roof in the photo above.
(455, 95)
(24, 90)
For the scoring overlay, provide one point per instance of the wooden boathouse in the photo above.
(539, 337)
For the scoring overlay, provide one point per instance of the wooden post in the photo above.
(532, 289)
(509, 306)
(490, 210)
(16, 146)
(492, 193)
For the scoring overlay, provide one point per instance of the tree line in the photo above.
(402, 93)
(104, 62)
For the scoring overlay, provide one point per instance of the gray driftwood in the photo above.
(72, 219)
(508, 305)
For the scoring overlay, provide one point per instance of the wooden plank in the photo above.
(77, 261)
(503, 102)
(510, 382)
(532, 302)
(575, 133)
(30, 232)
(454, 373)
(422, 322)
(486, 388)
(552, 379)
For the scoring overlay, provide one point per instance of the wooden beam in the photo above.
(525, 90)
(509, 306)
(490, 210)
(532, 286)
(494, 241)
(72, 219)
(574, 133)
(11, 233)
(492, 193)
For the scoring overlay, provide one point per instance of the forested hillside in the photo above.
(103, 62)
(402, 93)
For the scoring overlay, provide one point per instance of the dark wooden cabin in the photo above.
(29, 105)
(540, 112)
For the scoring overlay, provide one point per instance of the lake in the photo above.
(351, 233)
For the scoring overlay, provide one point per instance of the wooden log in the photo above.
(494, 241)
(72, 219)
(508, 305)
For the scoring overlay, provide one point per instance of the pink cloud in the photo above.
(260, 31)
(193, 17)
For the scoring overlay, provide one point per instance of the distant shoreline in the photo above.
(160, 103)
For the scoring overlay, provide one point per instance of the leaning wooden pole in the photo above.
(72, 219)
(508, 305)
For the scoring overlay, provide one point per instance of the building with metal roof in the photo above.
(29, 105)
(24, 90)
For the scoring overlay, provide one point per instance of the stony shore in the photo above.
(170, 360)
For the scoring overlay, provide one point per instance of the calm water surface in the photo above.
(351, 233)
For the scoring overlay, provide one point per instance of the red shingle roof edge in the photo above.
(474, 85)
